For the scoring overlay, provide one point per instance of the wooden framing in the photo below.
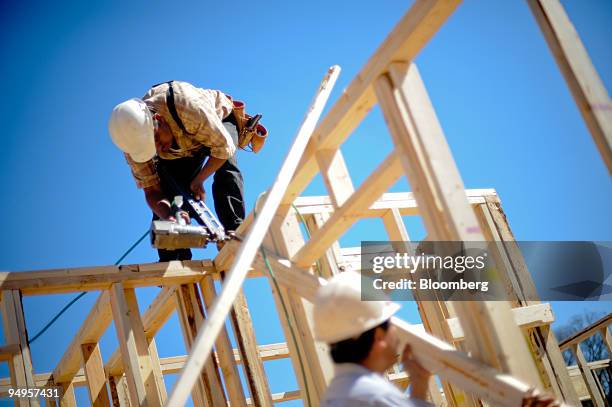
(510, 342)
(142, 384)
(208, 391)
(586, 86)
(587, 370)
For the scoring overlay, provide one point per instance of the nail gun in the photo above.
(180, 235)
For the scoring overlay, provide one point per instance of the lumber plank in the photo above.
(101, 278)
(407, 38)
(440, 193)
(247, 346)
(335, 175)
(15, 333)
(156, 315)
(586, 86)
(244, 257)
(67, 399)
(404, 201)
(94, 372)
(141, 381)
(385, 175)
(586, 332)
(587, 374)
(225, 353)
(311, 364)
(512, 266)
(208, 390)
(434, 314)
(96, 323)
(157, 370)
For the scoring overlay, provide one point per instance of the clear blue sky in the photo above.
(68, 198)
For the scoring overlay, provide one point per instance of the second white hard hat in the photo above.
(131, 128)
(340, 313)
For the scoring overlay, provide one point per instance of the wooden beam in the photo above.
(587, 332)
(227, 361)
(405, 202)
(511, 265)
(67, 399)
(407, 38)
(385, 175)
(157, 370)
(587, 374)
(141, 381)
(285, 238)
(96, 323)
(434, 314)
(94, 372)
(101, 278)
(440, 193)
(207, 390)
(581, 76)
(238, 272)
(156, 315)
(335, 175)
(15, 333)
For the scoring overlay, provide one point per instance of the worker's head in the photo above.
(138, 131)
(356, 330)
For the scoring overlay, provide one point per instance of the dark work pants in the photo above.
(227, 190)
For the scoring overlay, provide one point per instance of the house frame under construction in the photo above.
(480, 351)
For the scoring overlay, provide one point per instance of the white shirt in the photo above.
(356, 386)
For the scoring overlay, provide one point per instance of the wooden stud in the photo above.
(585, 84)
(157, 371)
(96, 323)
(311, 362)
(94, 372)
(522, 292)
(15, 333)
(248, 250)
(153, 319)
(434, 314)
(227, 361)
(335, 175)
(588, 376)
(120, 394)
(67, 399)
(332, 262)
(439, 191)
(586, 332)
(208, 390)
(141, 381)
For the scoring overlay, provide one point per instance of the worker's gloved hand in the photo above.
(419, 376)
(197, 187)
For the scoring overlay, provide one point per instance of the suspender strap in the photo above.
(172, 106)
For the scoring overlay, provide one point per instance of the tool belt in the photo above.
(251, 134)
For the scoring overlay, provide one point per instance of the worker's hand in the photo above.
(197, 187)
(537, 399)
(419, 376)
(183, 214)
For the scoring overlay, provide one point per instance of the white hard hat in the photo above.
(340, 313)
(131, 128)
